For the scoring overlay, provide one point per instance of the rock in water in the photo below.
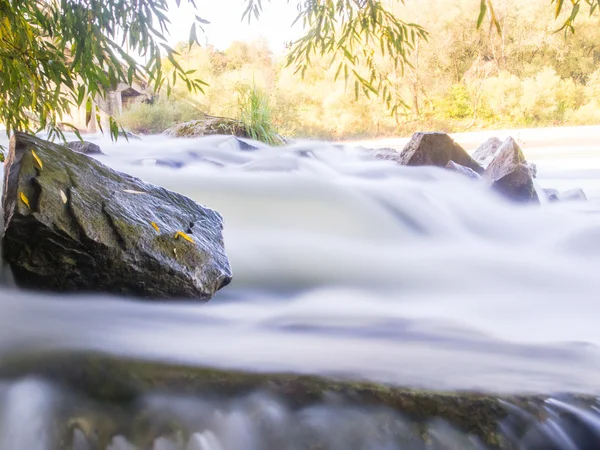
(486, 152)
(432, 149)
(452, 166)
(85, 147)
(73, 224)
(510, 175)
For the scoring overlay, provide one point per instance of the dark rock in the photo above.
(87, 148)
(486, 152)
(463, 170)
(73, 224)
(509, 174)
(245, 146)
(431, 149)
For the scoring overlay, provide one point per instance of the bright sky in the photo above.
(226, 24)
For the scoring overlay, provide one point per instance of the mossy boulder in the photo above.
(208, 126)
(73, 224)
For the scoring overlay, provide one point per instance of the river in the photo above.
(345, 264)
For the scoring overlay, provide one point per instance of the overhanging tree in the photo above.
(59, 54)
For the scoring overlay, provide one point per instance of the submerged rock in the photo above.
(73, 224)
(452, 166)
(510, 175)
(116, 399)
(87, 148)
(572, 195)
(431, 149)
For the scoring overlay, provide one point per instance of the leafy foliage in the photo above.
(55, 55)
(354, 34)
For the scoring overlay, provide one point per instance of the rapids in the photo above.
(344, 264)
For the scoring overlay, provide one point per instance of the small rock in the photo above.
(244, 145)
(463, 170)
(486, 152)
(510, 175)
(73, 224)
(431, 149)
(551, 195)
(572, 195)
(85, 147)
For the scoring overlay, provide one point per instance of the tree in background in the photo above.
(55, 54)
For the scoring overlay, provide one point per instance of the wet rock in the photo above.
(244, 146)
(73, 224)
(87, 148)
(431, 149)
(497, 421)
(486, 152)
(463, 170)
(510, 175)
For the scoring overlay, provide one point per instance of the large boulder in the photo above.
(73, 224)
(431, 149)
(509, 174)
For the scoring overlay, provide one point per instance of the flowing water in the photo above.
(345, 264)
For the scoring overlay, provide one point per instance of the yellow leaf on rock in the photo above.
(155, 226)
(37, 159)
(24, 199)
(63, 196)
(184, 236)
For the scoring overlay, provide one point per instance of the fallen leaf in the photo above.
(63, 196)
(155, 226)
(37, 159)
(24, 199)
(184, 236)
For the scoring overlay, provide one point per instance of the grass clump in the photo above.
(255, 113)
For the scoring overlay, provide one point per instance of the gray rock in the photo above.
(431, 149)
(510, 175)
(572, 195)
(463, 170)
(532, 169)
(73, 224)
(87, 148)
(486, 152)
(551, 195)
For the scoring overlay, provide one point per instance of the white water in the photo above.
(346, 264)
